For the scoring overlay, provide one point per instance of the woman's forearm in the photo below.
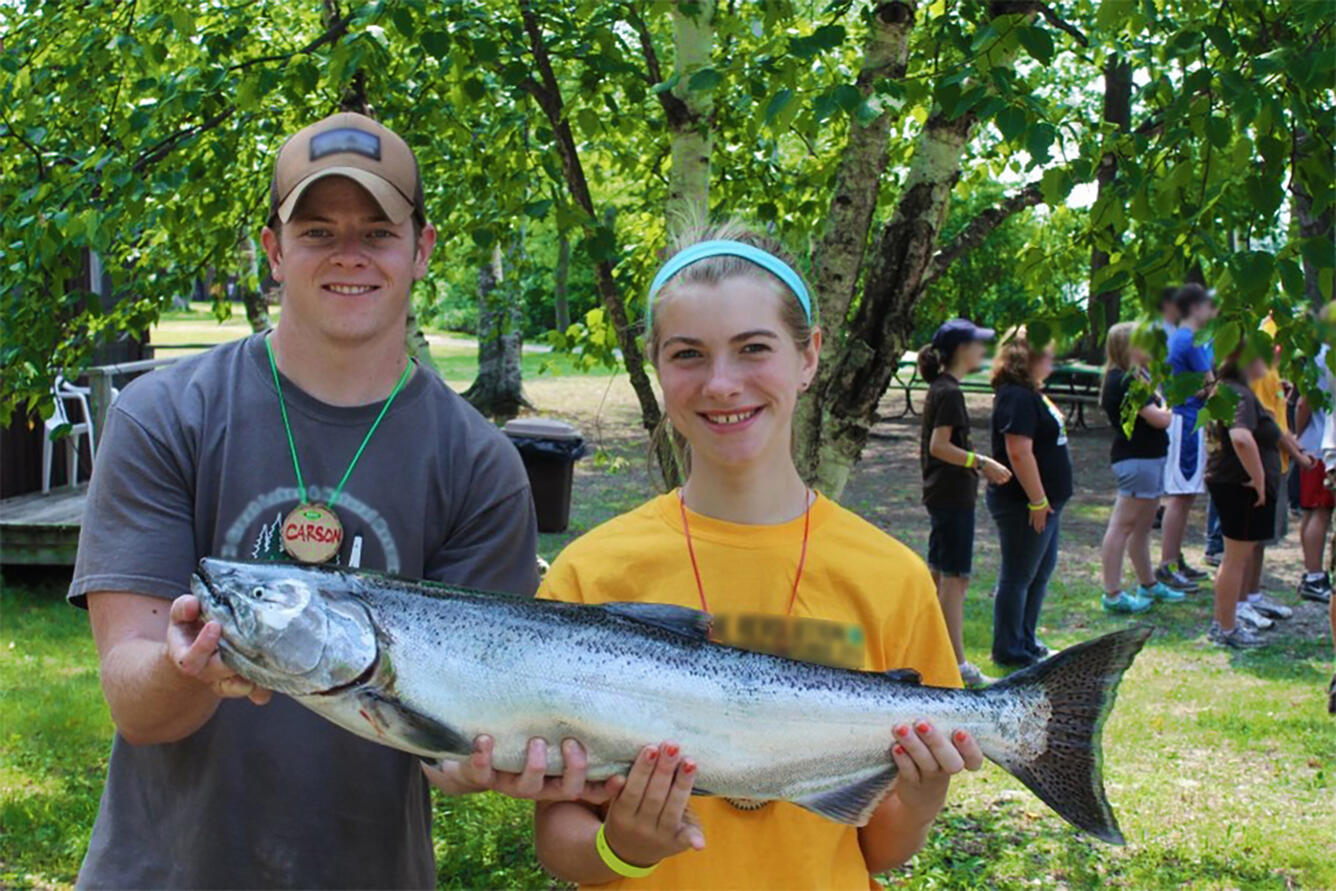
(564, 834)
(894, 834)
(1026, 469)
(942, 448)
(1245, 446)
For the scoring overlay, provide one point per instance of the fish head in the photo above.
(287, 628)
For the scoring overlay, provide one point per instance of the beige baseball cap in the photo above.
(352, 145)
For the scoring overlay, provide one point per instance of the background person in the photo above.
(1185, 468)
(1243, 474)
(734, 345)
(1030, 438)
(951, 472)
(1138, 466)
(1315, 498)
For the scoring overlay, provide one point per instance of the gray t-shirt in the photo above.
(194, 462)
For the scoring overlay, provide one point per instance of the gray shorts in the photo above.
(1282, 514)
(1140, 477)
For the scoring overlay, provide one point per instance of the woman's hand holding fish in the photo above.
(649, 820)
(192, 646)
(477, 775)
(927, 757)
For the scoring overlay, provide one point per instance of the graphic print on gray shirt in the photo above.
(193, 463)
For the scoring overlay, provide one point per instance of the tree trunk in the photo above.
(879, 330)
(1104, 308)
(497, 391)
(248, 284)
(416, 344)
(547, 92)
(1310, 226)
(560, 278)
(691, 131)
(837, 256)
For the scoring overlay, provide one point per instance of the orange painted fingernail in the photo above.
(689, 767)
(960, 736)
(923, 727)
(902, 730)
(653, 754)
(899, 749)
(671, 750)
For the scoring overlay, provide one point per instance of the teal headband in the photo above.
(706, 249)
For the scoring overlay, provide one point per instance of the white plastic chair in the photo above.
(66, 392)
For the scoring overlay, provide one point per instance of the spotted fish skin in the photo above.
(426, 668)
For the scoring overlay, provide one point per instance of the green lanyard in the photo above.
(292, 444)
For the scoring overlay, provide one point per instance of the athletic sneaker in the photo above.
(1041, 650)
(1172, 578)
(1213, 558)
(1161, 591)
(1191, 573)
(1239, 638)
(1252, 618)
(970, 674)
(1269, 608)
(1127, 602)
(1316, 588)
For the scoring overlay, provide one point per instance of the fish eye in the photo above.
(257, 593)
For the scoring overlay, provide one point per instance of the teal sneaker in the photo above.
(1126, 602)
(1160, 591)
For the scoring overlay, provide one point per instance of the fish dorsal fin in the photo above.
(904, 676)
(681, 620)
(852, 804)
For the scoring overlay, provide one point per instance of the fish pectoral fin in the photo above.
(681, 620)
(904, 676)
(397, 723)
(852, 804)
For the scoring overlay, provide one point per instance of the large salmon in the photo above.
(426, 668)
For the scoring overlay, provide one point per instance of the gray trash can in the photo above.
(550, 449)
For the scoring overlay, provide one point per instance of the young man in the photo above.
(1315, 499)
(210, 457)
(1184, 473)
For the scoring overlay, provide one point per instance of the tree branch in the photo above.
(1062, 25)
(979, 228)
(673, 107)
(164, 147)
(336, 29)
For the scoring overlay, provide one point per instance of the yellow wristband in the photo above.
(970, 458)
(1040, 505)
(615, 863)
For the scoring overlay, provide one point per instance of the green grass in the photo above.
(1221, 767)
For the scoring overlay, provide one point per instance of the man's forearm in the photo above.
(151, 702)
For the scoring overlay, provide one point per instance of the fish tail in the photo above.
(1070, 695)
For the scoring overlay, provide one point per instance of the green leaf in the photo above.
(589, 121)
(436, 43)
(1055, 185)
(1039, 140)
(777, 104)
(1218, 131)
(848, 97)
(403, 21)
(474, 89)
(704, 80)
(1038, 42)
(538, 209)
(1011, 122)
(664, 86)
(482, 237)
(1227, 336)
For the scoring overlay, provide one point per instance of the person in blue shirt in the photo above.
(1184, 472)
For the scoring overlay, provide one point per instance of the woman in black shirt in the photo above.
(951, 472)
(1030, 438)
(1140, 446)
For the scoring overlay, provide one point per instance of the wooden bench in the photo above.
(1073, 385)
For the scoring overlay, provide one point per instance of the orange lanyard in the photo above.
(695, 567)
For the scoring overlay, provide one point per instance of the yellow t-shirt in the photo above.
(1271, 394)
(854, 573)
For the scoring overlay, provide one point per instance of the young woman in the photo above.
(951, 473)
(1030, 438)
(1243, 476)
(1138, 465)
(732, 338)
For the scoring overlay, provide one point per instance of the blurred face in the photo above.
(346, 270)
(1256, 369)
(1138, 357)
(1041, 366)
(730, 371)
(1202, 312)
(971, 355)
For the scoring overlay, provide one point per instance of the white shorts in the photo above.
(1185, 469)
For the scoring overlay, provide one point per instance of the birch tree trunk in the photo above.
(692, 130)
(837, 257)
(877, 334)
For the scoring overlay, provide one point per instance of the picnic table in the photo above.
(1073, 385)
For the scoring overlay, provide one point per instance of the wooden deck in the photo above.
(42, 529)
